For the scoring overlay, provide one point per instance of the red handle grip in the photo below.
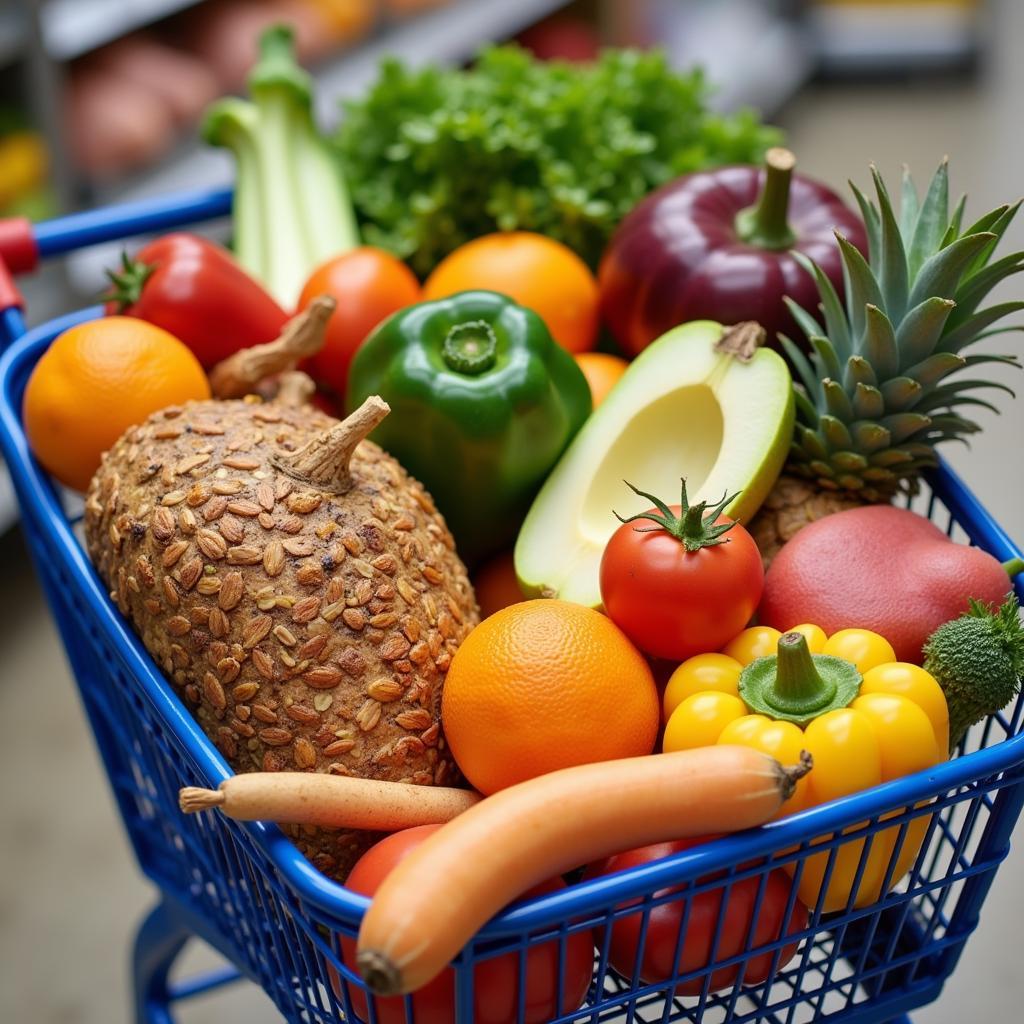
(19, 254)
(9, 294)
(18, 248)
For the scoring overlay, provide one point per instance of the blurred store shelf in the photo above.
(869, 38)
(13, 29)
(71, 28)
(751, 54)
(446, 35)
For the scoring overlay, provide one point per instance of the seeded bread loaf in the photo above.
(295, 584)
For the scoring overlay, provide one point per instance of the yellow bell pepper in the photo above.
(864, 717)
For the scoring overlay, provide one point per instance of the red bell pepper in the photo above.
(193, 288)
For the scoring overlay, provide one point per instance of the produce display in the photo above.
(129, 102)
(24, 170)
(519, 566)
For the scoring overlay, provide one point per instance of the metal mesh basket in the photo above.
(247, 891)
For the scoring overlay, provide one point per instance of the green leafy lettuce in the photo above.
(436, 157)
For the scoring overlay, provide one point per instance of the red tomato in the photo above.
(701, 924)
(194, 289)
(673, 603)
(495, 981)
(368, 285)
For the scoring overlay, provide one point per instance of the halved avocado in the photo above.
(682, 409)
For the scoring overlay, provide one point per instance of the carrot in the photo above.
(440, 894)
(337, 801)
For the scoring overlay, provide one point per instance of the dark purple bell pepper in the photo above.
(718, 245)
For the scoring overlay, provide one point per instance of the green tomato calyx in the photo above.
(691, 527)
(127, 283)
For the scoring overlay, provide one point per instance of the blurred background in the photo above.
(99, 102)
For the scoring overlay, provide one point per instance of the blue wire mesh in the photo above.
(246, 890)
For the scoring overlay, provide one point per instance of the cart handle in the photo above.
(110, 223)
(23, 244)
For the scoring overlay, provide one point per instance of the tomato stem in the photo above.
(127, 283)
(691, 527)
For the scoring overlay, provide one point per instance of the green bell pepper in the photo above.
(483, 403)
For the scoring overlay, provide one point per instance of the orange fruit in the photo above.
(368, 285)
(496, 585)
(602, 371)
(538, 272)
(543, 685)
(95, 381)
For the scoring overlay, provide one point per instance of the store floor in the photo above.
(70, 893)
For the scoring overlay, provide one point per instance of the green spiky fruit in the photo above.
(880, 389)
(978, 660)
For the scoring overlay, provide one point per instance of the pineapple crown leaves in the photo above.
(874, 397)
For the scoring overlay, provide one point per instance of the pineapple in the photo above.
(873, 399)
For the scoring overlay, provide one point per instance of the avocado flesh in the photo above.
(681, 410)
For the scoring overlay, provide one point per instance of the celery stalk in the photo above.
(292, 209)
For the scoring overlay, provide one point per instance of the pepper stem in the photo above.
(1014, 567)
(764, 224)
(799, 686)
(690, 526)
(470, 347)
(796, 686)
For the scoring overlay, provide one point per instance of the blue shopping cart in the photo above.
(245, 889)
